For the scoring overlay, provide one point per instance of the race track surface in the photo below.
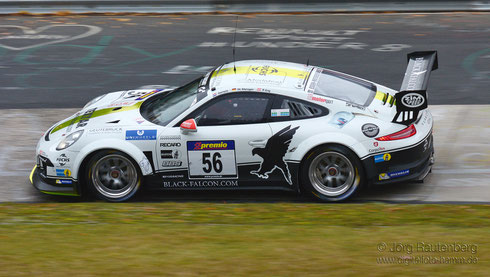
(50, 66)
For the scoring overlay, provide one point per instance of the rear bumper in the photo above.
(407, 164)
(54, 186)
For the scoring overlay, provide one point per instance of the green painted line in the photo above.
(470, 60)
(97, 113)
(150, 55)
(60, 193)
(95, 51)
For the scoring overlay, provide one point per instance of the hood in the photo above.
(119, 109)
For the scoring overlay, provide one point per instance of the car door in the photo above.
(221, 152)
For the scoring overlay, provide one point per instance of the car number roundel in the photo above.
(212, 159)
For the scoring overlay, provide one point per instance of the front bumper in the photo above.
(54, 186)
(407, 164)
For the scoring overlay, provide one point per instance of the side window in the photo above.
(286, 108)
(238, 108)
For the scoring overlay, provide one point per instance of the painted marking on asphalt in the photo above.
(34, 34)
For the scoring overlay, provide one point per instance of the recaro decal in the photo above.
(273, 154)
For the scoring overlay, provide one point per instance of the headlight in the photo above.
(69, 140)
(94, 100)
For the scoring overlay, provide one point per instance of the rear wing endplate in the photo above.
(412, 97)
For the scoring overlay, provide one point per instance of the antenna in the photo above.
(234, 39)
(308, 62)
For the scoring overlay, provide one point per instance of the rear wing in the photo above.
(412, 97)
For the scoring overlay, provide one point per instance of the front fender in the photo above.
(116, 144)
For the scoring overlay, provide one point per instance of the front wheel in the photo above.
(113, 176)
(331, 173)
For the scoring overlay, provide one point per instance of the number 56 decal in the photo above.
(212, 159)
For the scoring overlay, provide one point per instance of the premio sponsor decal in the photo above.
(211, 145)
(212, 159)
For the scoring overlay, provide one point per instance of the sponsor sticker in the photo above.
(370, 130)
(63, 159)
(382, 158)
(279, 112)
(63, 172)
(63, 182)
(341, 118)
(85, 118)
(264, 70)
(170, 154)
(201, 184)
(413, 100)
(145, 166)
(312, 97)
(170, 144)
(212, 159)
(379, 149)
(353, 105)
(211, 145)
(134, 94)
(172, 176)
(149, 94)
(141, 134)
(121, 104)
(105, 130)
(171, 163)
(393, 175)
(175, 137)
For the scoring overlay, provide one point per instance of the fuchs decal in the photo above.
(273, 154)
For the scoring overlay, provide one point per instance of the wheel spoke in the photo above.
(114, 176)
(331, 173)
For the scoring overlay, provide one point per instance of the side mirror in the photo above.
(188, 126)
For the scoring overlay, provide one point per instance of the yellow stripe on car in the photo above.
(32, 173)
(97, 113)
(380, 96)
(262, 70)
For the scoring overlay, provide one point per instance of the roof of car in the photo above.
(252, 75)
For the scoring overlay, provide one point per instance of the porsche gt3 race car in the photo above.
(254, 124)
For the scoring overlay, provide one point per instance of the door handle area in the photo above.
(257, 143)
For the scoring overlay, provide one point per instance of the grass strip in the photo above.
(248, 239)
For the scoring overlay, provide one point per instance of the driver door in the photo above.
(221, 152)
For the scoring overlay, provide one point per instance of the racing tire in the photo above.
(331, 173)
(113, 176)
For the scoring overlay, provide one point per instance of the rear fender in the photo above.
(324, 138)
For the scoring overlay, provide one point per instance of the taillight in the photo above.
(405, 133)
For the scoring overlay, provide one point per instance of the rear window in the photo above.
(341, 86)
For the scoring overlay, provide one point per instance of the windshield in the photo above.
(163, 108)
(340, 86)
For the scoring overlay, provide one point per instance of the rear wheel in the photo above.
(331, 173)
(113, 176)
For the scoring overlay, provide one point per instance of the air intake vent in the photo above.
(301, 110)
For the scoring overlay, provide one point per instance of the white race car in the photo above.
(253, 124)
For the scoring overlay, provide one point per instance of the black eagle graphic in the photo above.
(273, 154)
